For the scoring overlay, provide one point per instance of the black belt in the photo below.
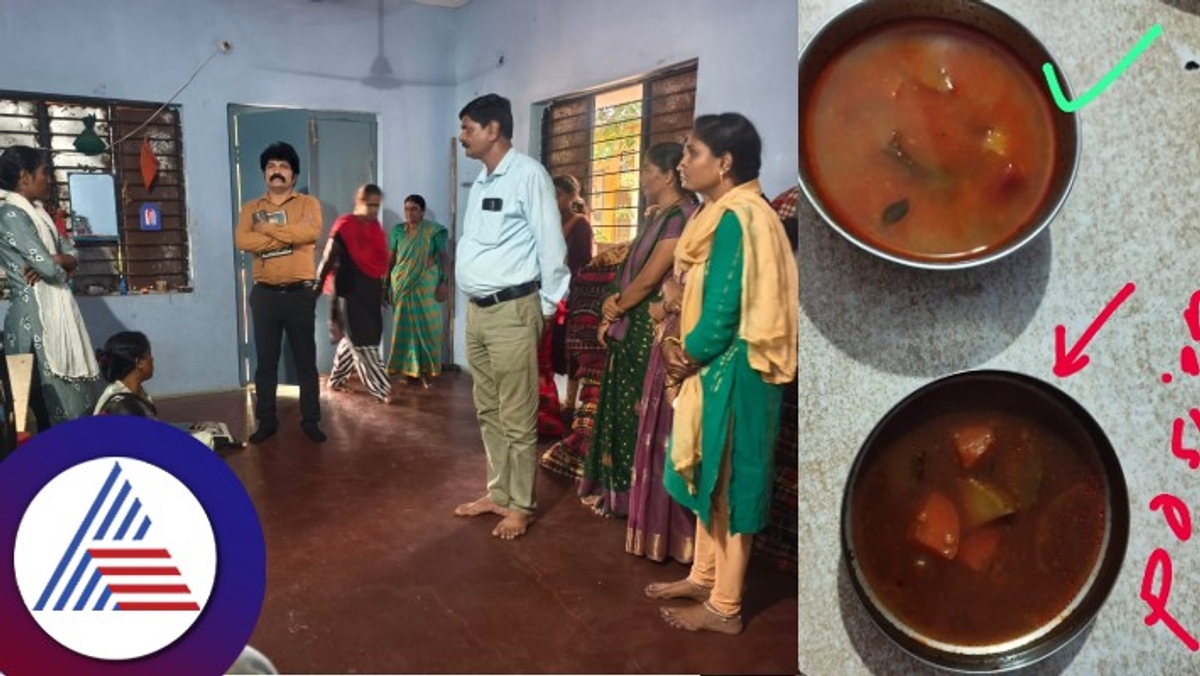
(511, 293)
(294, 287)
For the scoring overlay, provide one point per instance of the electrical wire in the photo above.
(163, 107)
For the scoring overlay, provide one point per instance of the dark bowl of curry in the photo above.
(928, 135)
(984, 521)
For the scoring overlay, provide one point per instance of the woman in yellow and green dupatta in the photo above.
(417, 288)
(738, 327)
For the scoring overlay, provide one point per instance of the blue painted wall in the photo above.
(149, 48)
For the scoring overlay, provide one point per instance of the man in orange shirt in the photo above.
(280, 230)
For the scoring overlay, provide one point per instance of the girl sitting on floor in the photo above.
(126, 362)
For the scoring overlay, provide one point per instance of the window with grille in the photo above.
(599, 137)
(144, 257)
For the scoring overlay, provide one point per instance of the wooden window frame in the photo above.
(568, 128)
(143, 258)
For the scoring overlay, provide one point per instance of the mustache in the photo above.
(277, 176)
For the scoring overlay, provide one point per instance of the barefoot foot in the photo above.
(483, 505)
(513, 525)
(680, 589)
(701, 618)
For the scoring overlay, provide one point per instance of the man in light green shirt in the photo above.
(511, 265)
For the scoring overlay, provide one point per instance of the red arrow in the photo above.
(1069, 363)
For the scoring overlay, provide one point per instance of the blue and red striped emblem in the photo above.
(110, 552)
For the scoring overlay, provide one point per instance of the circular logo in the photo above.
(115, 558)
(135, 551)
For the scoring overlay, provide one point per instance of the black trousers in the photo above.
(274, 314)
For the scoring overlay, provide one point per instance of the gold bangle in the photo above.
(673, 339)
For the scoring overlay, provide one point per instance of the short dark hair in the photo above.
(280, 151)
(490, 108)
(16, 159)
(370, 189)
(121, 353)
(732, 133)
(417, 200)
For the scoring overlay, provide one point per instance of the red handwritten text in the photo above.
(1159, 558)
(1191, 455)
(1175, 511)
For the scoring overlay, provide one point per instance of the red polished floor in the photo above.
(369, 572)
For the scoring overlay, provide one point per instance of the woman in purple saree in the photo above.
(658, 526)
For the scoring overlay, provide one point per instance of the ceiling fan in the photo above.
(380, 75)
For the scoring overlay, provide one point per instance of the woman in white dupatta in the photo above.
(43, 318)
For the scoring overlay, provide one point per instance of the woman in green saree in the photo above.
(628, 332)
(416, 290)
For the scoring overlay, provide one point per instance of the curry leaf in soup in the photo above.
(895, 150)
(895, 211)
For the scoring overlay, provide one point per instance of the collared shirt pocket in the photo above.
(489, 226)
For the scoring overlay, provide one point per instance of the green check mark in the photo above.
(1072, 106)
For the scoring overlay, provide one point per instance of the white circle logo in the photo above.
(115, 558)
